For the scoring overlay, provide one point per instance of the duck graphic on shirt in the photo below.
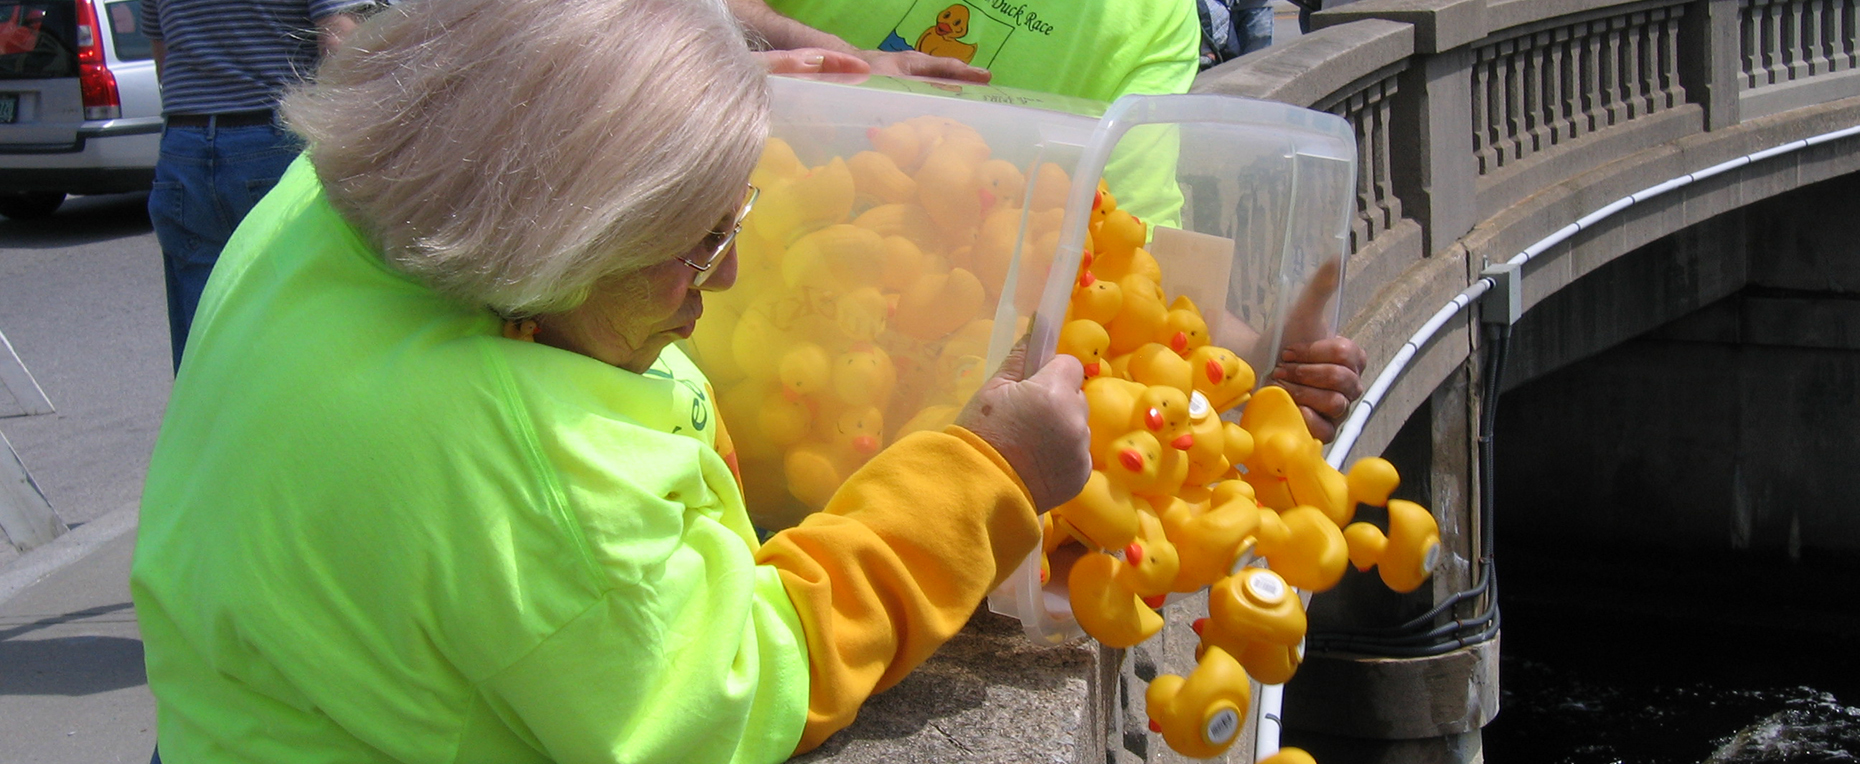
(944, 37)
(964, 30)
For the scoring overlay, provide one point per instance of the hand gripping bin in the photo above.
(908, 233)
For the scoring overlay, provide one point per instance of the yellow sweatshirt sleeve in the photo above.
(896, 563)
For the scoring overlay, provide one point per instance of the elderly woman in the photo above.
(378, 526)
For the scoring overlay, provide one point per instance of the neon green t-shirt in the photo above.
(376, 530)
(1096, 50)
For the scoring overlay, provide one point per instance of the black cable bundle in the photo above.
(1418, 637)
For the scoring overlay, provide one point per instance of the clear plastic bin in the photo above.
(850, 325)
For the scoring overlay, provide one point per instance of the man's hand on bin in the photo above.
(1324, 378)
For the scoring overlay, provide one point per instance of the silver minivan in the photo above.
(80, 106)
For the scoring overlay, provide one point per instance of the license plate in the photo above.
(9, 108)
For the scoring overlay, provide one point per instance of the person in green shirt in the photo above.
(435, 483)
(1093, 50)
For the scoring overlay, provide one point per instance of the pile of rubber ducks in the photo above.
(1179, 497)
(867, 294)
(867, 291)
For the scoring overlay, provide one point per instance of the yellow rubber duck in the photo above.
(805, 370)
(822, 197)
(1207, 539)
(906, 220)
(1407, 555)
(778, 164)
(932, 418)
(1371, 480)
(1183, 330)
(1087, 341)
(1287, 466)
(836, 259)
(1252, 605)
(993, 250)
(1156, 364)
(1050, 186)
(1259, 628)
(877, 179)
(758, 345)
(939, 304)
(1289, 756)
(1201, 716)
(816, 469)
(1115, 243)
(864, 377)
(1139, 316)
(1220, 375)
(1104, 603)
(1002, 184)
(1304, 546)
(899, 142)
(1104, 514)
(1096, 300)
(904, 264)
(862, 313)
(1116, 406)
(1154, 570)
(785, 418)
(948, 186)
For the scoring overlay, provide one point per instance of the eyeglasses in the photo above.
(716, 243)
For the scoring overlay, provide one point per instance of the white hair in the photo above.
(512, 152)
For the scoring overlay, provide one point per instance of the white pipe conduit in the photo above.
(1268, 706)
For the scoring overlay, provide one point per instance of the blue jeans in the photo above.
(206, 180)
(1253, 27)
(1229, 32)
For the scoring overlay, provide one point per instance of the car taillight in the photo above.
(95, 81)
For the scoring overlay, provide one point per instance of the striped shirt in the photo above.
(234, 55)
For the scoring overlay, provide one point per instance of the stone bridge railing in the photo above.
(1483, 126)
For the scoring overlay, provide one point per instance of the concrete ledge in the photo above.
(1508, 231)
(1502, 15)
(1379, 264)
(1385, 323)
(1521, 179)
(1395, 698)
(1312, 67)
(1809, 91)
(988, 696)
(1439, 25)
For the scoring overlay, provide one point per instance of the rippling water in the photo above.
(1644, 658)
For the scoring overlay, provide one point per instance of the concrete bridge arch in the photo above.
(1485, 126)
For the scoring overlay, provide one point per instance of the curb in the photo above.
(34, 566)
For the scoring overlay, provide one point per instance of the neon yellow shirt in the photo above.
(430, 554)
(1096, 50)
(375, 530)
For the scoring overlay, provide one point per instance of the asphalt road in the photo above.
(81, 300)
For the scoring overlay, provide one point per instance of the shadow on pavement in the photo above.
(82, 220)
(70, 665)
(73, 665)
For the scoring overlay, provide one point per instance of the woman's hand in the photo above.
(1037, 424)
(915, 64)
(813, 61)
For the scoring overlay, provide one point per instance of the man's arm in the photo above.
(783, 33)
(330, 32)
